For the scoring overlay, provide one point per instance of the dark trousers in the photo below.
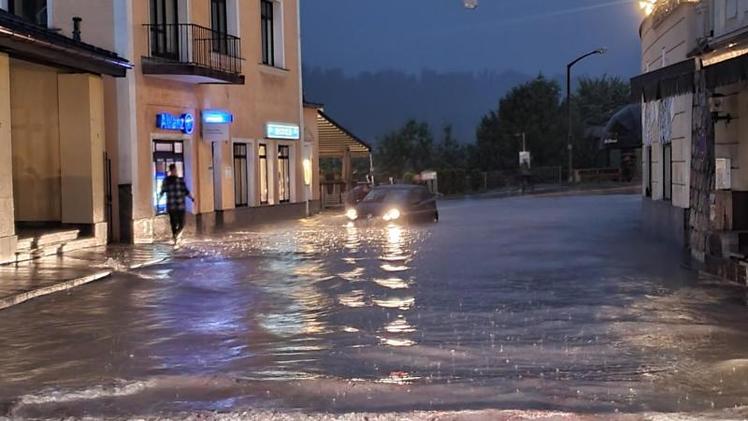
(176, 217)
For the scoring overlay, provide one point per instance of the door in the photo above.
(165, 29)
(262, 155)
(165, 153)
(284, 174)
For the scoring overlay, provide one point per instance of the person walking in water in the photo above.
(176, 192)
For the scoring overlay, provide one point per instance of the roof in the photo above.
(23, 39)
(335, 140)
(673, 80)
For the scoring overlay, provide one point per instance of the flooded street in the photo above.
(546, 303)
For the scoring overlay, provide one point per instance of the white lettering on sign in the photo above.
(282, 131)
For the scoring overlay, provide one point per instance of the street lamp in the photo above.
(569, 145)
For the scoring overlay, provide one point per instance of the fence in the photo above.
(462, 181)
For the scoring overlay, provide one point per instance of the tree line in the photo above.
(535, 108)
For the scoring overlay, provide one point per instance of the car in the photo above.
(396, 203)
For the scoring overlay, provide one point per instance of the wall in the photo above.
(7, 225)
(668, 41)
(96, 26)
(81, 99)
(36, 142)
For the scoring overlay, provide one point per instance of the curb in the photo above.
(16, 299)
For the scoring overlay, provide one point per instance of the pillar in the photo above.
(8, 239)
(81, 98)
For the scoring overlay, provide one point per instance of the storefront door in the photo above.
(165, 153)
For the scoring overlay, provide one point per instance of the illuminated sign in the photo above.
(282, 131)
(217, 117)
(184, 123)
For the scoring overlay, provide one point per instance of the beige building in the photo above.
(53, 159)
(215, 89)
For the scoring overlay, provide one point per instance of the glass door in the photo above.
(284, 174)
(165, 153)
(264, 191)
(165, 29)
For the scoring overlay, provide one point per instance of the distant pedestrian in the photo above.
(525, 176)
(176, 192)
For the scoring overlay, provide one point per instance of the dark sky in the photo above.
(523, 35)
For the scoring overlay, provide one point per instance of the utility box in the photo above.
(723, 174)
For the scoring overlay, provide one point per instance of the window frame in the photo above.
(667, 171)
(175, 154)
(262, 157)
(284, 166)
(241, 168)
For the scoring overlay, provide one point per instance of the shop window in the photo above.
(667, 171)
(271, 32)
(165, 153)
(284, 174)
(219, 24)
(264, 185)
(241, 185)
(31, 10)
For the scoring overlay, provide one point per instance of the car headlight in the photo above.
(351, 214)
(391, 215)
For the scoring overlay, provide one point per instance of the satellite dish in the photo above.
(470, 4)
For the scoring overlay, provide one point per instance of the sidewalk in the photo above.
(24, 281)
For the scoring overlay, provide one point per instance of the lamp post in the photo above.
(569, 136)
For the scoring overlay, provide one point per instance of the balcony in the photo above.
(193, 54)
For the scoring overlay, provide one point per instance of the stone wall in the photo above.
(702, 172)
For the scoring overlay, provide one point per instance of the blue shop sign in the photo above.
(283, 131)
(184, 123)
(217, 117)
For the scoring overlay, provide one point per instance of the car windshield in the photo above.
(388, 195)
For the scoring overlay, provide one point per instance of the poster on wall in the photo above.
(722, 179)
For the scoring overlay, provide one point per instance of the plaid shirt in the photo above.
(176, 192)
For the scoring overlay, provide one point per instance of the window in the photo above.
(667, 171)
(264, 193)
(165, 29)
(219, 25)
(648, 175)
(31, 10)
(165, 153)
(241, 185)
(284, 174)
(267, 25)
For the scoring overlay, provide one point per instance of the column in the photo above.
(8, 237)
(81, 98)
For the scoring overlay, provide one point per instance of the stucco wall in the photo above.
(729, 137)
(96, 26)
(35, 141)
(81, 99)
(7, 228)
(668, 41)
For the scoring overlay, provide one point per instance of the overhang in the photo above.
(727, 72)
(335, 140)
(27, 41)
(673, 80)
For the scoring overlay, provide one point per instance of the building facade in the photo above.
(216, 90)
(52, 133)
(694, 88)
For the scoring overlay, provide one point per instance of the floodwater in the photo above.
(544, 303)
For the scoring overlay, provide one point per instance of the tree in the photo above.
(408, 149)
(532, 108)
(593, 104)
(449, 153)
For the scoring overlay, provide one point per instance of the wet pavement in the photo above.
(527, 304)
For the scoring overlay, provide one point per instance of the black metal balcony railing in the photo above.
(195, 45)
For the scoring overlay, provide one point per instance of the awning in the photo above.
(38, 44)
(727, 72)
(676, 79)
(335, 140)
